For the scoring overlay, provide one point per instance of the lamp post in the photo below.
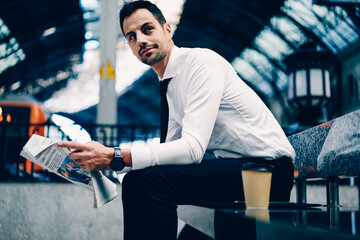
(309, 89)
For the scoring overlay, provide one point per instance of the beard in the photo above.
(158, 55)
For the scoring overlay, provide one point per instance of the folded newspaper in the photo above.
(45, 152)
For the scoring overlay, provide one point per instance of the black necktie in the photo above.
(164, 109)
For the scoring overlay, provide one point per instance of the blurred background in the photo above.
(67, 73)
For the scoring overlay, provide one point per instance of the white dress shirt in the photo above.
(211, 109)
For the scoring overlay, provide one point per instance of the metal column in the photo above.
(107, 107)
(301, 191)
(332, 191)
(332, 199)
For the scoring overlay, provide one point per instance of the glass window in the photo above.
(316, 82)
(301, 84)
(10, 51)
(247, 72)
(291, 86)
(272, 45)
(327, 84)
(289, 30)
(259, 61)
(282, 80)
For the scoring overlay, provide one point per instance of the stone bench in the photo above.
(328, 151)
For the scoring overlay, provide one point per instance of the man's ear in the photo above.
(168, 30)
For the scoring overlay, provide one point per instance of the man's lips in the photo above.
(145, 51)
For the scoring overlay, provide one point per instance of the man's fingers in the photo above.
(73, 145)
(89, 156)
(80, 155)
(81, 163)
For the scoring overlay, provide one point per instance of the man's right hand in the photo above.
(91, 156)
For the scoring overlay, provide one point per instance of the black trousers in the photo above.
(151, 195)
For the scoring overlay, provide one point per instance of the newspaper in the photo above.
(45, 152)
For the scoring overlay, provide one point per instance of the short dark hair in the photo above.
(130, 8)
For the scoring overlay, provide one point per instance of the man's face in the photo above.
(148, 40)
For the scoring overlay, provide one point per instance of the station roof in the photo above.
(40, 42)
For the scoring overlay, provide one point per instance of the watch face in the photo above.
(117, 163)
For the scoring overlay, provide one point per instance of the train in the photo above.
(20, 117)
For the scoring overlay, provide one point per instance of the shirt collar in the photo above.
(170, 69)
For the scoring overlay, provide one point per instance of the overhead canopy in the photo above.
(226, 26)
(256, 36)
(40, 44)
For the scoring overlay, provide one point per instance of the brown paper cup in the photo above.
(256, 186)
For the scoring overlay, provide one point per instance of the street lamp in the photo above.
(309, 89)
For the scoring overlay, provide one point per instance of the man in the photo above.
(210, 110)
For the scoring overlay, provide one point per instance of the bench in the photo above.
(328, 151)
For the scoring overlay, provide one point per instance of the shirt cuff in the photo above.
(141, 157)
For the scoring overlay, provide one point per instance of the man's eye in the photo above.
(148, 29)
(131, 37)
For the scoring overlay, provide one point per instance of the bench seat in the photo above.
(327, 151)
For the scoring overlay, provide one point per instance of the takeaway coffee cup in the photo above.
(256, 184)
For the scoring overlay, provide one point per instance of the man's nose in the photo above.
(141, 39)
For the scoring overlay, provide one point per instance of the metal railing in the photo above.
(13, 136)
